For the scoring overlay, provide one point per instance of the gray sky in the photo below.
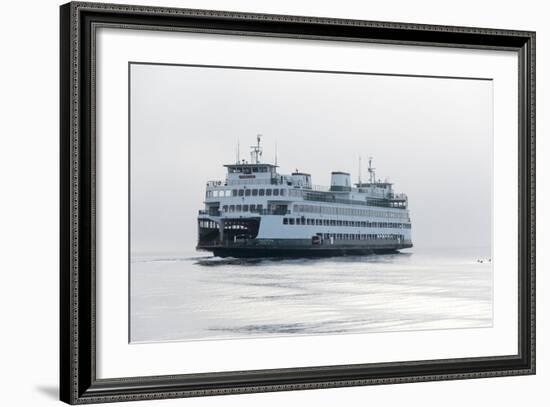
(432, 137)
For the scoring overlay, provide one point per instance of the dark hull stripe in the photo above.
(293, 251)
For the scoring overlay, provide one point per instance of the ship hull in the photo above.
(297, 250)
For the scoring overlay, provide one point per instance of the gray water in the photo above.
(196, 296)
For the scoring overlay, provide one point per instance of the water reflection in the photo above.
(199, 296)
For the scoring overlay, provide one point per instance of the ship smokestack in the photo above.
(340, 181)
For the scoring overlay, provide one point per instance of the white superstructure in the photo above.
(256, 211)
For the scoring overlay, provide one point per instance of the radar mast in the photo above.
(372, 173)
(256, 152)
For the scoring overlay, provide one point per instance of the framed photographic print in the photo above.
(255, 203)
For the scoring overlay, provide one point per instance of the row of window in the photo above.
(246, 192)
(247, 170)
(243, 208)
(342, 211)
(339, 222)
(208, 224)
(360, 236)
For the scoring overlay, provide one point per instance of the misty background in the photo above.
(431, 137)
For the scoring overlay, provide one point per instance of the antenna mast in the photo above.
(275, 153)
(359, 170)
(372, 173)
(256, 152)
(238, 151)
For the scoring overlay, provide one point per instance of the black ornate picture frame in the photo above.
(78, 381)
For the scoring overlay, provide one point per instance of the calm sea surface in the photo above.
(197, 296)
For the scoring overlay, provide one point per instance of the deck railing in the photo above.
(251, 181)
(256, 211)
(331, 199)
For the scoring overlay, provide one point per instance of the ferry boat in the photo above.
(258, 212)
